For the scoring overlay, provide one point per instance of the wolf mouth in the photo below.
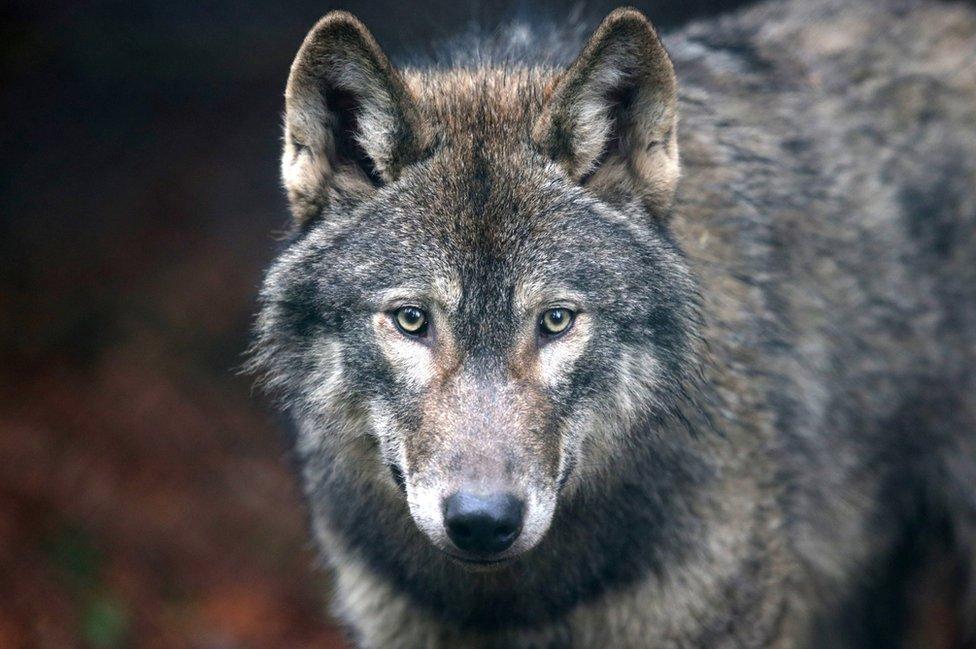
(479, 564)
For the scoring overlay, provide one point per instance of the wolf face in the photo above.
(481, 291)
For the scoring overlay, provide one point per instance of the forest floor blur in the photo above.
(146, 496)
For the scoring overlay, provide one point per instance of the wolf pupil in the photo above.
(411, 320)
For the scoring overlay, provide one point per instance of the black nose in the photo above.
(483, 524)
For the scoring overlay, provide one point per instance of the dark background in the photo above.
(145, 494)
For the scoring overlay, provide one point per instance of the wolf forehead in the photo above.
(484, 174)
(482, 184)
(484, 238)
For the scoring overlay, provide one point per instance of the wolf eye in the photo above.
(555, 321)
(410, 320)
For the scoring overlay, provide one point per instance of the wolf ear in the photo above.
(351, 124)
(610, 120)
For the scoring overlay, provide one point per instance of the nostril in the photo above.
(483, 524)
(508, 528)
(397, 475)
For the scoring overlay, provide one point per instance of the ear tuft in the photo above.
(611, 119)
(350, 121)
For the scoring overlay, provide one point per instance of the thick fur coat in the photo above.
(759, 427)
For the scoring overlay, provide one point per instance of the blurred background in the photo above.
(145, 494)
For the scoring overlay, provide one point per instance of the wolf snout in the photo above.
(483, 525)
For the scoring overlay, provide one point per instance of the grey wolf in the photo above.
(636, 342)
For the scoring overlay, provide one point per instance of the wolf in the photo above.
(554, 385)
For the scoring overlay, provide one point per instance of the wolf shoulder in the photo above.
(852, 121)
(891, 75)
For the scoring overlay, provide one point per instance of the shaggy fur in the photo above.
(760, 430)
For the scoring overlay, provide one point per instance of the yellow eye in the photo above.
(555, 321)
(411, 320)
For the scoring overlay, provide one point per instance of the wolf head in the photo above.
(481, 302)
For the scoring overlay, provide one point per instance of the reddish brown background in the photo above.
(145, 493)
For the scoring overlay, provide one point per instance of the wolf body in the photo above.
(759, 429)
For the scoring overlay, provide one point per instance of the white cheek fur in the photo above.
(412, 360)
(558, 357)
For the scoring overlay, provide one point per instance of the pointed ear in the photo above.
(351, 124)
(611, 119)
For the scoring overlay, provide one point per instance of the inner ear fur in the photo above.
(351, 124)
(610, 119)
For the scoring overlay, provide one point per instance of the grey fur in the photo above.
(762, 431)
